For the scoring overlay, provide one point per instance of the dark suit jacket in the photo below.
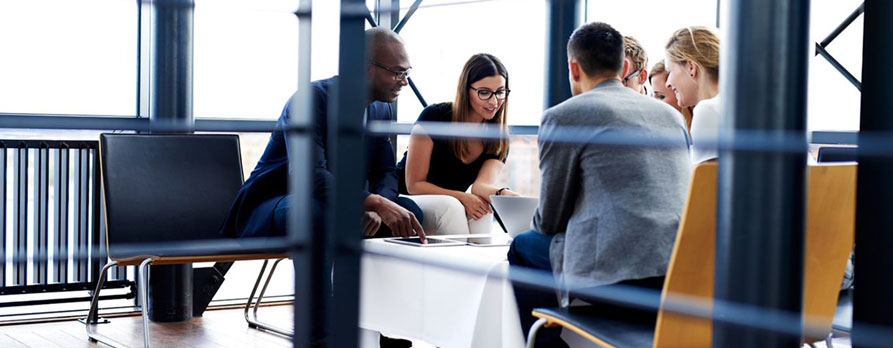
(252, 212)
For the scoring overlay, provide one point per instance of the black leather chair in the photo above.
(167, 190)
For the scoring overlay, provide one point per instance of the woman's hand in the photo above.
(475, 207)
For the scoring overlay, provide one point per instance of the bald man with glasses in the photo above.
(261, 207)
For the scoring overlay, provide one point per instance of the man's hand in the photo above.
(371, 223)
(401, 221)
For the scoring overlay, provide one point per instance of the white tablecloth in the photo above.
(442, 307)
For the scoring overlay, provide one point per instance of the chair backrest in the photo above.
(829, 240)
(166, 188)
(692, 263)
(837, 154)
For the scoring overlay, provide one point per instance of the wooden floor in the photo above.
(217, 328)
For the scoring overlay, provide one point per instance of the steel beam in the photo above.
(760, 222)
(874, 223)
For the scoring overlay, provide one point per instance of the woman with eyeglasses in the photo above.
(658, 79)
(436, 172)
(693, 67)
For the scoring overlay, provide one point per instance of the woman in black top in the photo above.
(447, 167)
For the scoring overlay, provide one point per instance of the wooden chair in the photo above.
(829, 239)
(166, 189)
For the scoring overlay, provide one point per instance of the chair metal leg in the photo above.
(93, 314)
(828, 341)
(254, 291)
(531, 336)
(144, 298)
(252, 319)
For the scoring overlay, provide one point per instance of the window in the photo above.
(834, 103)
(512, 30)
(68, 57)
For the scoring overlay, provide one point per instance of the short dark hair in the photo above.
(598, 48)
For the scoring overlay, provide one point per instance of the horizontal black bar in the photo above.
(126, 296)
(831, 137)
(28, 121)
(94, 122)
(48, 144)
(60, 287)
(233, 125)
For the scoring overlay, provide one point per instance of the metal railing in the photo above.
(50, 217)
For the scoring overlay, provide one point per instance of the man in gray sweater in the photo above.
(608, 213)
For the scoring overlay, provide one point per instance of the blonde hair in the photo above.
(477, 67)
(636, 54)
(697, 44)
(660, 69)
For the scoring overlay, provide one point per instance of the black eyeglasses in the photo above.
(631, 76)
(399, 75)
(634, 75)
(486, 94)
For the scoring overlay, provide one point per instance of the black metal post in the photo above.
(171, 97)
(387, 12)
(3, 245)
(171, 287)
(872, 301)
(347, 163)
(760, 223)
(309, 261)
(562, 18)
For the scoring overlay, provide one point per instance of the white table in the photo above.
(442, 307)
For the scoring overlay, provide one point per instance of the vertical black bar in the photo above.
(171, 98)
(81, 194)
(60, 216)
(760, 223)
(307, 262)
(874, 222)
(563, 17)
(98, 255)
(20, 214)
(41, 205)
(3, 246)
(171, 112)
(345, 136)
(388, 14)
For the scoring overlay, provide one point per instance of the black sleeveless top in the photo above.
(445, 169)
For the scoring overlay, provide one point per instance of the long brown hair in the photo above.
(661, 69)
(478, 67)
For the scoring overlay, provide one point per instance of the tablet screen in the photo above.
(430, 241)
(482, 241)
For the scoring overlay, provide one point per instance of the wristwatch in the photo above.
(499, 191)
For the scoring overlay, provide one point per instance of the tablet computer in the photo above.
(482, 241)
(430, 242)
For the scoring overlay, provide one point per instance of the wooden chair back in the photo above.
(829, 240)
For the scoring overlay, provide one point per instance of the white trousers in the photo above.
(446, 215)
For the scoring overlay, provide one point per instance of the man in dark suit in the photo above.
(261, 207)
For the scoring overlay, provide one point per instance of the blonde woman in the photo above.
(437, 172)
(693, 67)
(658, 79)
